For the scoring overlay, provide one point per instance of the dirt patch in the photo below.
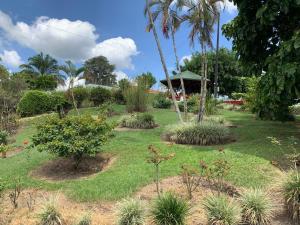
(63, 168)
(104, 213)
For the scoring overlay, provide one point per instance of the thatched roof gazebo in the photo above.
(192, 82)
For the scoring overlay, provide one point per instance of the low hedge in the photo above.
(205, 133)
(161, 102)
(100, 95)
(138, 121)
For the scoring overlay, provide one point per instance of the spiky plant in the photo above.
(138, 121)
(131, 212)
(85, 220)
(291, 191)
(170, 210)
(222, 211)
(257, 208)
(50, 215)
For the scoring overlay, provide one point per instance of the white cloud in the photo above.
(229, 7)
(65, 39)
(184, 58)
(11, 58)
(121, 75)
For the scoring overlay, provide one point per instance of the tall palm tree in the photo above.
(152, 27)
(73, 75)
(41, 65)
(201, 17)
(170, 22)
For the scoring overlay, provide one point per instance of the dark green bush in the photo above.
(44, 83)
(162, 102)
(205, 133)
(72, 136)
(100, 95)
(34, 103)
(60, 102)
(138, 121)
(118, 96)
(80, 94)
(3, 137)
(170, 209)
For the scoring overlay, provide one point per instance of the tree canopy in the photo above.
(147, 79)
(98, 70)
(230, 71)
(266, 38)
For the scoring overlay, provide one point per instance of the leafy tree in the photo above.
(266, 38)
(98, 70)
(73, 74)
(151, 27)
(123, 84)
(41, 65)
(146, 79)
(72, 136)
(230, 77)
(171, 22)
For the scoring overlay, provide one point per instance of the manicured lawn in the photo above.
(249, 157)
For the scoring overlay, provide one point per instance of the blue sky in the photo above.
(81, 29)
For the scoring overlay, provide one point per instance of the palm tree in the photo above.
(73, 74)
(170, 22)
(201, 17)
(41, 65)
(151, 26)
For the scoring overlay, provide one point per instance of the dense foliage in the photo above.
(138, 121)
(146, 79)
(72, 136)
(99, 95)
(80, 94)
(230, 77)
(266, 38)
(136, 98)
(161, 101)
(98, 70)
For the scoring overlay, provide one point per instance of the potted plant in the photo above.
(3, 143)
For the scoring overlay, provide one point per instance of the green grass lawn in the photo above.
(249, 157)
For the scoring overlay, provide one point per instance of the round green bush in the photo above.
(100, 95)
(170, 209)
(222, 211)
(138, 121)
(34, 103)
(118, 96)
(80, 94)
(204, 133)
(161, 102)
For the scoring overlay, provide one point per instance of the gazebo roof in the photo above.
(191, 80)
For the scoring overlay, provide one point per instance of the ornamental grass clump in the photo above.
(222, 211)
(257, 208)
(138, 121)
(291, 192)
(205, 133)
(170, 209)
(50, 215)
(131, 212)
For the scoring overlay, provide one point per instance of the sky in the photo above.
(80, 29)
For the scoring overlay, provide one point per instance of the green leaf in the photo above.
(297, 42)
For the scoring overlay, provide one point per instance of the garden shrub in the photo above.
(72, 136)
(222, 211)
(85, 220)
(34, 103)
(138, 121)
(257, 208)
(136, 98)
(131, 212)
(50, 215)
(3, 137)
(100, 95)
(204, 133)
(80, 94)
(118, 96)
(295, 109)
(60, 103)
(44, 83)
(170, 209)
(162, 102)
(291, 191)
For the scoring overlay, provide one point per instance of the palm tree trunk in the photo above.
(163, 62)
(203, 87)
(72, 95)
(217, 59)
(179, 70)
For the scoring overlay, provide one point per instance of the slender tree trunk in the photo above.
(203, 87)
(217, 59)
(163, 62)
(72, 95)
(179, 70)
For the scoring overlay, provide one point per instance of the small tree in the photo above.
(74, 136)
(146, 79)
(156, 158)
(191, 179)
